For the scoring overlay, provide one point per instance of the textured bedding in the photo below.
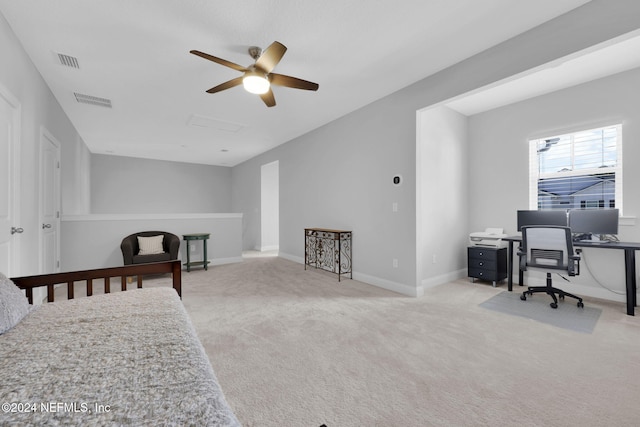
(127, 358)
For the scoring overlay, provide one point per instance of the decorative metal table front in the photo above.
(329, 250)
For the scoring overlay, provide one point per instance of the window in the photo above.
(581, 170)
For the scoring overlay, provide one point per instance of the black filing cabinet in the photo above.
(487, 263)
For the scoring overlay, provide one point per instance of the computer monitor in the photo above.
(594, 221)
(545, 217)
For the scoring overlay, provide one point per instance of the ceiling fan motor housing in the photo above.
(255, 52)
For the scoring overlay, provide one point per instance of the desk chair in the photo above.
(547, 248)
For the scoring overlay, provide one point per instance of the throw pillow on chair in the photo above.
(150, 245)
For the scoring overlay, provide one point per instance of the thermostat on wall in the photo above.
(397, 180)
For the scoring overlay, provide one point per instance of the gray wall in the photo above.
(340, 174)
(336, 176)
(132, 185)
(442, 195)
(504, 133)
(75, 181)
(93, 241)
(39, 109)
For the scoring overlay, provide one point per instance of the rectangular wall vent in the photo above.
(68, 61)
(93, 100)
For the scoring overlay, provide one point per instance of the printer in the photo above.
(489, 238)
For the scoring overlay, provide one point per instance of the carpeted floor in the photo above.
(296, 348)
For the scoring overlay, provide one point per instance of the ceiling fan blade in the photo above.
(268, 98)
(294, 82)
(219, 60)
(226, 85)
(271, 56)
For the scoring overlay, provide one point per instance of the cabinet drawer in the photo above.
(480, 273)
(485, 264)
(483, 253)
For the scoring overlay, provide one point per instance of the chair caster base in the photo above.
(551, 292)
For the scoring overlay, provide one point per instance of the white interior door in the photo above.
(49, 203)
(9, 160)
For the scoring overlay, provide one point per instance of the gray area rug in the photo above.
(567, 316)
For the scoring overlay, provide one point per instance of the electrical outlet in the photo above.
(433, 260)
(394, 207)
(193, 248)
(395, 263)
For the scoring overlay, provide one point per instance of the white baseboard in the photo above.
(290, 257)
(444, 278)
(578, 289)
(221, 261)
(389, 285)
(267, 248)
(215, 261)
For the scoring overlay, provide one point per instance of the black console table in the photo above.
(329, 250)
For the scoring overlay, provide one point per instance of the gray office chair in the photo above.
(547, 247)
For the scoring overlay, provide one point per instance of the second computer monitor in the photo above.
(546, 217)
(594, 221)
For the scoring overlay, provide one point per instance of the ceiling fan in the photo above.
(258, 77)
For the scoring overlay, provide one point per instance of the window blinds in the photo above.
(577, 170)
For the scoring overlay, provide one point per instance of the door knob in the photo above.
(46, 226)
(15, 230)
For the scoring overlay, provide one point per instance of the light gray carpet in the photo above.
(568, 315)
(296, 348)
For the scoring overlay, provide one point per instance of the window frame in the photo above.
(535, 175)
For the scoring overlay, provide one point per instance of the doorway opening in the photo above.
(270, 207)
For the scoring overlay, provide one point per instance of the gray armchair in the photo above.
(130, 248)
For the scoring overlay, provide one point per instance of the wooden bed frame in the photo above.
(28, 283)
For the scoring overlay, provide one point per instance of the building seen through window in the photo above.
(580, 170)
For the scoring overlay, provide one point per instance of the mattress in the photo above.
(126, 358)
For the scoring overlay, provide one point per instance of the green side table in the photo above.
(196, 236)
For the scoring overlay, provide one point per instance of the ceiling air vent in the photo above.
(68, 61)
(93, 100)
(208, 122)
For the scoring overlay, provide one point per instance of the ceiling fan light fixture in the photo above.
(256, 83)
(257, 78)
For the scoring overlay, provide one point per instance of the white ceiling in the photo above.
(136, 54)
